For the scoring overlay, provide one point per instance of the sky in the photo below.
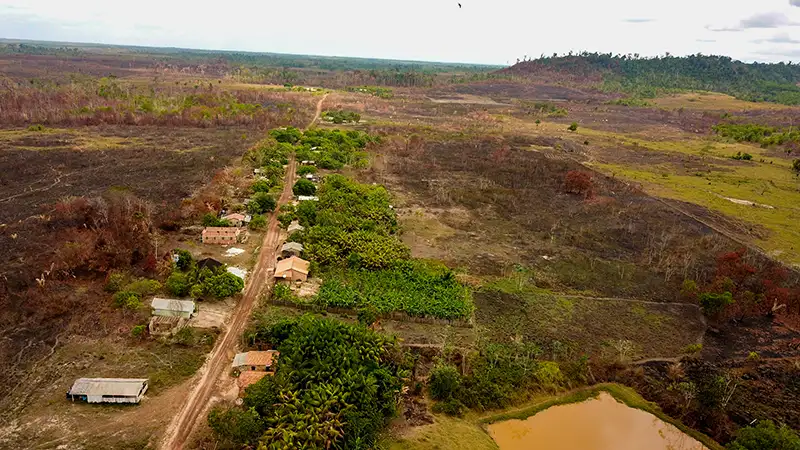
(480, 31)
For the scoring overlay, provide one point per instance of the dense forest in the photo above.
(648, 77)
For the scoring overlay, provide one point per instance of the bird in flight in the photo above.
(459, 5)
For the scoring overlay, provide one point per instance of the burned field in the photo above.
(621, 242)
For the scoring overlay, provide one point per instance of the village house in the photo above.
(307, 198)
(108, 390)
(292, 269)
(237, 219)
(294, 226)
(258, 361)
(221, 235)
(209, 263)
(168, 307)
(306, 162)
(291, 249)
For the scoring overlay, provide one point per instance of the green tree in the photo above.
(223, 285)
(127, 300)
(261, 186)
(236, 426)
(444, 382)
(304, 187)
(258, 222)
(178, 284)
(573, 126)
(766, 436)
(262, 396)
(185, 260)
(261, 203)
(714, 304)
(305, 170)
(211, 220)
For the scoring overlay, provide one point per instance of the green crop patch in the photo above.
(416, 287)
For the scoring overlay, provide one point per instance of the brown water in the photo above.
(597, 424)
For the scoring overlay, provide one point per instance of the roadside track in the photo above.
(183, 424)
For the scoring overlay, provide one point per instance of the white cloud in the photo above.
(481, 31)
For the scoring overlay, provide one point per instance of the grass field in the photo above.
(586, 325)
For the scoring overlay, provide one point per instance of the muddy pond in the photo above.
(601, 423)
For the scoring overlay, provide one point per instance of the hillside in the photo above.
(649, 77)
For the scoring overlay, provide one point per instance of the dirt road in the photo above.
(219, 360)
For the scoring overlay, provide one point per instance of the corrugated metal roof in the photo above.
(293, 263)
(170, 304)
(294, 226)
(292, 246)
(234, 216)
(108, 386)
(263, 358)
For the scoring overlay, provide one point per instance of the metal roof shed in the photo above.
(108, 390)
(172, 307)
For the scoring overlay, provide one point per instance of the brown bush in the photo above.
(579, 182)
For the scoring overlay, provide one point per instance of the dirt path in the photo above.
(219, 360)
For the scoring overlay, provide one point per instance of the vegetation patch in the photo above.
(416, 287)
(340, 116)
(335, 386)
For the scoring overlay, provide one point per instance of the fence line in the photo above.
(396, 315)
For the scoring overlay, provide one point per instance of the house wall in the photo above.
(223, 240)
(171, 313)
(110, 399)
(261, 368)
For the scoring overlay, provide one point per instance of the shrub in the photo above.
(185, 260)
(238, 427)
(178, 284)
(225, 284)
(114, 282)
(186, 337)
(548, 375)
(36, 127)
(573, 126)
(341, 116)
(289, 135)
(713, 304)
(127, 300)
(258, 222)
(796, 166)
(285, 219)
(144, 287)
(262, 396)
(766, 436)
(742, 156)
(261, 186)
(305, 170)
(451, 407)
(304, 187)
(261, 203)
(444, 382)
(138, 331)
(693, 349)
(211, 220)
(367, 316)
(578, 182)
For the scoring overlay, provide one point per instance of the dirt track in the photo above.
(183, 424)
